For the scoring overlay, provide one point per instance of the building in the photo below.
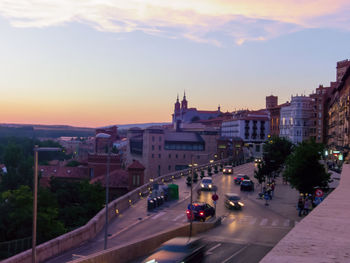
(183, 114)
(251, 126)
(274, 114)
(163, 151)
(295, 119)
(338, 117)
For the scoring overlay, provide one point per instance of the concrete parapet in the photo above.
(323, 235)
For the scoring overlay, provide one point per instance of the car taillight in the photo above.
(188, 211)
(242, 179)
(201, 213)
(235, 178)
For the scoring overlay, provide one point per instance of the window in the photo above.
(159, 155)
(152, 155)
(320, 115)
(152, 138)
(184, 156)
(159, 147)
(176, 156)
(169, 167)
(169, 156)
(152, 147)
(160, 138)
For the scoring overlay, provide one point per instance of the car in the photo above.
(207, 183)
(233, 201)
(247, 185)
(200, 211)
(179, 249)
(228, 169)
(258, 160)
(240, 177)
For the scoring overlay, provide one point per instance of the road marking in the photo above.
(253, 221)
(158, 215)
(264, 222)
(235, 254)
(209, 252)
(275, 222)
(286, 222)
(176, 218)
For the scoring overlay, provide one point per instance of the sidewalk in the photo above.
(284, 200)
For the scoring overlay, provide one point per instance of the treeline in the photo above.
(31, 132)
(63, 206)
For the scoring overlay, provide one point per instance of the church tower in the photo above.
(177, 107)
(184, 102)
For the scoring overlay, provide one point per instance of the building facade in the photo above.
(163, 151)
(295, 119)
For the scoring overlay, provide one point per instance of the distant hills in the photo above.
(56, 131)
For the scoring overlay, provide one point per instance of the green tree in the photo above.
(303, 168)
(261, 173)
(276, 151)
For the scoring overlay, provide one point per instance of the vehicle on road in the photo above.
(247, 185)
(228, 169)
(233, 201)
(207, 183)
(240, 177)
(200, 211)
(179, 249)
(258, 160)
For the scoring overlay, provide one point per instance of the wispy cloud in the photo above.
(200, 21)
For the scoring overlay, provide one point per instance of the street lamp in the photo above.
(106, 136)
(35, 194)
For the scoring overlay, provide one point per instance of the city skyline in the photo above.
(94, 64)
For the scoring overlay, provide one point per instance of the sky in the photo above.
(94, 63)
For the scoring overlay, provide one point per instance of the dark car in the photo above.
(200, 211)
(240, 177)
(228, 169)
(247, 185)
(258, 160)
(179, 249)
(233, 201)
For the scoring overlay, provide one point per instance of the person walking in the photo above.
(307, 205)
(300, 206)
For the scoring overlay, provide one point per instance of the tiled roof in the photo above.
(117, 179)
(136, 165)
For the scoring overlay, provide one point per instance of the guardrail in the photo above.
(87, 232)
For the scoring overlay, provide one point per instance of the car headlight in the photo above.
(210, 186)
(240, 203)
(232, 203)
(229, 171)
(202, 185)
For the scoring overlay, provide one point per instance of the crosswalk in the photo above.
(241, 220)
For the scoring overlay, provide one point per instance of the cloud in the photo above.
(205, 21)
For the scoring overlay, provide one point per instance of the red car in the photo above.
(240, 177)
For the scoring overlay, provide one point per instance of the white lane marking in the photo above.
(274, 222)
(264, 222)
(176, 218)
(235, 254)
(253, 221)
(209, 252)
(158, 215)
(286, 222)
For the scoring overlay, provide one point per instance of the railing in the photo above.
(87, 232)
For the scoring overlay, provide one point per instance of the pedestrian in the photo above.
(269, 192)
(307, 205)
(300, 206)
(272, 189)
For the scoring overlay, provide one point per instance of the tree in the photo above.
(276, 151)
(303, 170)
(261, 173)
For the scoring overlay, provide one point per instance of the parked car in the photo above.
(200, 211)
(207, 183)
(240, 177)
(233, 201)
(247, 185)
(228, 169)
(179, 249)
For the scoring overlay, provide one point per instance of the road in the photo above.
(244, 236)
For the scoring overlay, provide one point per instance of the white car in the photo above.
(228, 169)
(207, 183)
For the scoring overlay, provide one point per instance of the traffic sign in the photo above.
(319, 193)
(215, 197)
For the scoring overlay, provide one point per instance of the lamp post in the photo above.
(107, 196)
(191, 206)
(35, 193)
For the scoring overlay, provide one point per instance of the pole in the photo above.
(191, 208)
(35, 203)
(107, 196)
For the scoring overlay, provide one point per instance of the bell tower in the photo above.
(184, 102)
